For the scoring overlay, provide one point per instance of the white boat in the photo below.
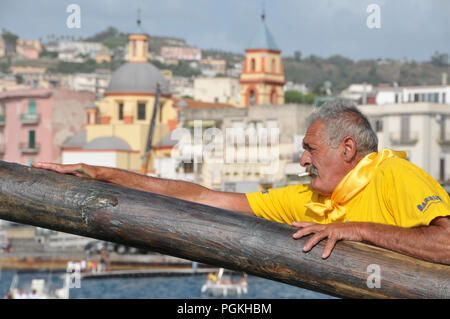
(38, 289)
(223, 284)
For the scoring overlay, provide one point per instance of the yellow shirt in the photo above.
(399, 194)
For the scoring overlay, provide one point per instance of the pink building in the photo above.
(34, 123)
(181, 53)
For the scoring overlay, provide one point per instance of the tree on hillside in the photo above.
(439, 59)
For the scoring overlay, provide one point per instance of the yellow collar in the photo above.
(352, 184)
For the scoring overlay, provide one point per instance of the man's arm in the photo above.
(431, 243)
(173, 188)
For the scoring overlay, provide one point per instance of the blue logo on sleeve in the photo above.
(428, 201)
(266, 191)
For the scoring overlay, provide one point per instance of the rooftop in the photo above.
(263, 39)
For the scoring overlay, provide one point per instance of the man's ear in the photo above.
(349, 149)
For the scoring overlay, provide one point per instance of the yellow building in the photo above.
(102, 56)
(217, 65)
(117, 127)
(262, 77)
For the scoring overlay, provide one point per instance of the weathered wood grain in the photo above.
(209, 235)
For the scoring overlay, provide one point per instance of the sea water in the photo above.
(178, 287)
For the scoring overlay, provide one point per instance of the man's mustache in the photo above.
(312, 170)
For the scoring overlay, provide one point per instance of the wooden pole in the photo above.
(211, 235)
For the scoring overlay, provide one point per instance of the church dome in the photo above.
(134, 77)
(108, 143)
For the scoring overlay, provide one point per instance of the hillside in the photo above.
(342, 72)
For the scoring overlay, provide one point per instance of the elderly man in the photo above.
(356, 193)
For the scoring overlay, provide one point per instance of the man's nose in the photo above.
(305, 159)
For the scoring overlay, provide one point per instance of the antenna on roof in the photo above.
(263, 14)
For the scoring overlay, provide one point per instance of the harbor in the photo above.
(127, 273)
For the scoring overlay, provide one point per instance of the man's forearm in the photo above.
(430, 243)
(175, 188)
(171, 188)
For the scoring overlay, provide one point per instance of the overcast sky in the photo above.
(412, 29)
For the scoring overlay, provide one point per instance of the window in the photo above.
(2, 112)
(404, 128)
(378, 125)
(31, 139)
(120, 111)
(32, 107)
(252, 98)
(274, 66)
(188, 168)
(141, 111)
(273, 97)
(443, 128)
(252, 65)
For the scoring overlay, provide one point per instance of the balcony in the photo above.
(397, 138)
(444, 138)
(29, 118)
(26, 148)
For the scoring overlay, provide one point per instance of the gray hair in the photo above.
(341, 118)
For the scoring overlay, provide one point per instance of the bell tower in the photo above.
(262, 77)
(138, 43)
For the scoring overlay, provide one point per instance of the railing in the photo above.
(397, 138)
(26, 148)
(444, 138)
(29, 118)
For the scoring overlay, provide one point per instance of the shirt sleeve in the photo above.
(414, 197)
(280, 204)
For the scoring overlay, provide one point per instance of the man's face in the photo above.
(325, 164)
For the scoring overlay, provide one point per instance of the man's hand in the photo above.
(80, 170)
(333, 231)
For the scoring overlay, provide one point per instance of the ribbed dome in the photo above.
(137, 78)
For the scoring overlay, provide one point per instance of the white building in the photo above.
(422, 130)
(70, 56)
(299, 87)
(92, 82)
(80, 47)
(217, 90)
(413, 94)
(181, 86)
(357, 92)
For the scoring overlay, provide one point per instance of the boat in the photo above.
(38, 289)
(223, 284)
